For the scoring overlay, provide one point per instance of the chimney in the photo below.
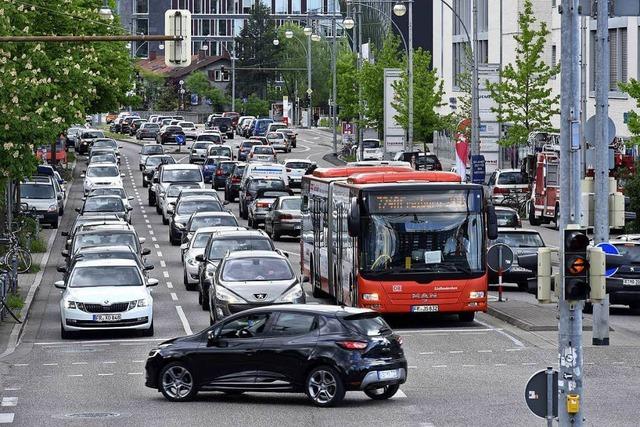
(201, 54)
(152, 55)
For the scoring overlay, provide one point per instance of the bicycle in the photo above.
(518, 202)
(15, 252)
(5, 277)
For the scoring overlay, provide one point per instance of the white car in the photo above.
(169, 198)
(296, 169)
(102, 295)
(262, 153)
(112, 191)
(199, 151)
(101, 175)
(371, 150)
(278, 141)
(189, 129)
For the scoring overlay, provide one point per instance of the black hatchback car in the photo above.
(321, 350)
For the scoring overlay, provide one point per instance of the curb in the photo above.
(524, 325)
(334, 160)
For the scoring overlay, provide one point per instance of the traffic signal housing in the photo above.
(576, 264)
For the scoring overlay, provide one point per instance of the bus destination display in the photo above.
(448, 201)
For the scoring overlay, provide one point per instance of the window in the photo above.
(141, 49)
(245, 327)
(296, 6)
(294, 324)
(461, 51)
(461, 58)
(141, 6)
(618, 58)
(197, 6)
(282, 6)
(206, 27)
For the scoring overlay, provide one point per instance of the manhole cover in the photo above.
(85, 415)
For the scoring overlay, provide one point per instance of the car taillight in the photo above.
(235, 179)
(262, 204)
(352, 345)
(219, 172)
(251, 156)
(498, 190)
(399, 340)
(285, 216)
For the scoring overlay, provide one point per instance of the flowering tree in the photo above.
(46, 87)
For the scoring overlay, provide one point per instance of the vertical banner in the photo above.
(394, 135)
(285, 109)
(462, 147)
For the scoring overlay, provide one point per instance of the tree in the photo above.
(633, 122)
(255, 49)
(371, 78)
(427, 97)
(347, 84)
(199, 83)
(523, 96)
(254, 106)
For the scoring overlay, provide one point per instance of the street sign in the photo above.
(309, 91)
(590, 130)
(541, 392)
(478, 170)
(609, 249)
(180, 139)
(500, 257)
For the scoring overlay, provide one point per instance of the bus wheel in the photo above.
(467, 316)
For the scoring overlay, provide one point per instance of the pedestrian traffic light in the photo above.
(177, 23)
(576, 264)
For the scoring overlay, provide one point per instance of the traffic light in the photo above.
(178, 52)
(224, 73)
(576, 264)
(597, 270)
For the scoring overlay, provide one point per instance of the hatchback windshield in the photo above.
(263, 150)
(92, 135)
(220, 151)
(88, 277)
(106, 238)
(103, 172)
(105, 143)
(209, 137)
(156, 160)
(104, 158)
(182, 175)
(520, 240)
(152, 149)
(512, 178)
(227, 167)
(151, 126)
(187, 207)
(112, 191)
(213, 221)
(187, 125)
(292, 204)
(219, 247)
(200, 240)
(244, 270)
(103, 204)
(174, 190)
(631, 251)
(173, 129)
(200, 145)
(36, 191)
(371, 143)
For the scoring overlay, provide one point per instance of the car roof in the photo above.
(254, 254)
(117, 262)
(516, 230)
(185, 192)
(624, 242)
(198, 197)
(100, 164)
(249, 234)
(101, 249)
(221, 229)
(507, 170)
(106, 196)
(180, 166)
(298, 160)
(208, 213)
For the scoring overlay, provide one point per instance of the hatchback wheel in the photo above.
(324, 386)
(382, 393)
(177, 383)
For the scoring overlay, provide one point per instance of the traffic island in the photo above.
(530, 317)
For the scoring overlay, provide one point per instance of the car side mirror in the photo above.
(145, 252)
(169, 210)
(65, 234)
(200, 258)
(130, 198)
(184, 246)
(59, 196)
(121, 175)
(62, 269)
(142, 240)
(79, 210)
(83, 175)
(148, 267)
(226, 202)
(156, 180)
(83, 199)
(353, 220)
(152, 282)
(129, 208)
(59, 284)
(492, 223)
(214, 340)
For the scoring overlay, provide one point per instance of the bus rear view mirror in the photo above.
(492, 223)
(353, 221)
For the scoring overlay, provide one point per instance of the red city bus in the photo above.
(396, 240)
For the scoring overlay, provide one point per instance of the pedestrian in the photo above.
(316, 117)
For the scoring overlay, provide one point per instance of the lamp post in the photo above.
(105, 11)
(181, 91)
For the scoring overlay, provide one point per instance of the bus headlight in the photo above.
(370, 297)
(476, 294)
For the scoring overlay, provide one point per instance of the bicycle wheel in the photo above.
(23, 259)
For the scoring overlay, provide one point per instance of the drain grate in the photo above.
(91, 415)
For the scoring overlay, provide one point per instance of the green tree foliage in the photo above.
(427, 96)
(46, 87)
(523, 96)
(253, 107)
(255, 49)
(633, 123)
(371, 79)
(347, 83)
(199, 83)
(152, 86)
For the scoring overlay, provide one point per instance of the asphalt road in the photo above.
(459, 375)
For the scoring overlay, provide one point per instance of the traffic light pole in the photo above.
(570, 323)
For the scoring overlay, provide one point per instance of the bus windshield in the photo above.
(423, 233)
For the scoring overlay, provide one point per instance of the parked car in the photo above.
(262, 153)
(296, 169)
(522, 241)
(232, 184)
(149, 150)
(39, 193)
(189, 128)
(106, 295)
(329, 350)
(222, 172)
(86, 139)
(209, 167)
(100, 175)
(284, 216)
(147, 130)
(507, 182)
(168, 134)
(183, 210)
(371, 150)
(259, 207)
(199, 150)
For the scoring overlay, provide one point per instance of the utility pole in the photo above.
(601, 176)
(233, 75)
(359, 43)
(309, 90)
(570, 324)
(475, 109)
(409, 144)
(334, 91)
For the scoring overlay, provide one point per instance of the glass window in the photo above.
(178, 175)
(296, 6)
(110, 191)
(370, 324)
(249, 326)
(36, 191)
(187, 207)
(512, 178)
(520, 240)
(103, 204)
(282, 6)
(152, 149)
(142, 6)
(200, 240)
(175, 189)
(256, 269)
(87, 277)
(298, 165)
(631, 251)
(213, 221)
(293, 324)
(103, 172)
(292, 204)
(106, 239)
(314, 5)
(209, 137)
(220, 247)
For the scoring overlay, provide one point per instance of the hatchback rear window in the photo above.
(263, 150)
(512, 178)
(369, 324)
(520, 240)
(256, 269)
(298, 165)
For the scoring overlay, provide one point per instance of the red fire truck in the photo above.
(544, 206)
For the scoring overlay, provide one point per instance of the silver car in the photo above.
(41, 195)
(199, 151)
(149, 150)
(248, 279)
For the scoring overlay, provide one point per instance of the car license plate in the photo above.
(40, 216)
(296, 227)
(106, 317)
(424, 308)
(388, 375)
(631, 282)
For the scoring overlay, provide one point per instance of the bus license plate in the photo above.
(424, 308)
(630, 282)
(106, 317)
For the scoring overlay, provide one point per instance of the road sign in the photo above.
(309, 91)
(478, 170)
(500, 257)
(590, 130)
(610, 249)
(180, 139)
(541, 392)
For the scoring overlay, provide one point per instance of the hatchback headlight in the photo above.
(70, 304)
(53, 208)
(224, 295)
(292, 294)
(192, 261)
(138, 303)
(210, 271)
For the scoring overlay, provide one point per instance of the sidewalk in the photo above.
(529, 317)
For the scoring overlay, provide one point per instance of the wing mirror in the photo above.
(83, 175)
(353, 220)
(145, 252)
(62, 269)
(142, 240)
(121, 175)
(152, 282)
(169, 210)
(79, 210)
(65, 234)
(492, 223)
(156, 180)
(214, 340)
(148, 267)
(200, 258)
(65, 253)
(130, 198)
(184, 246)
(59, 284)
(60, 195)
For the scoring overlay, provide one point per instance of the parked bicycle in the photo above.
(15, 252)
(517, 201)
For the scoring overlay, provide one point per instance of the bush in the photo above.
(14, 301)
(324, 122)
(38, 246)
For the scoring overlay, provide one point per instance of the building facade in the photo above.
(498, 23)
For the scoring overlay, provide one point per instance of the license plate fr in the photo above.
(106, 317)
(630, 282)
(388, 375)
(425, 308)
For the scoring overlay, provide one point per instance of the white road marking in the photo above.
(9, 401)
(74, 375)
(159, 253)
(438, 366)
(485, 351)
(98, 342)
(134, 373)
(12, 388)
(456, 352)
(400, 395)
(21, 364)
(529, 363)
(105, 375)
(6, 418)
(94, 345)
(147, 221)
(499, 364)
(165, 274)
(110, 362)
(617, 363)
(513, 349)
(183, 319)
(169, 285)
(405, 331)
(174, 296)
(49, 364)
(79, 363)
(144, 215)
(427, 352)
(151, 233)
(148, 225)
(469, 366)
(138, 361)
(163, 264)
(157, 246)
(501, 332)
(153, 239)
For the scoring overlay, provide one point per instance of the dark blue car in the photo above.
(209, 166)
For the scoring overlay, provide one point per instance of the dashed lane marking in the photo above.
(469, 366)
(134, 373)
(74, 375)
(151, 233)
(174, 296)
(138, 361)
(105, 375)
(513, 349)
(438, 366)
(49, 364)
(79, 363)
(109, 362)
(157, 246)
(165, 274)
(455, 352)
(159, 253)
(9, 401)
(163, 264)
(427, 352)
(400, 395)
(503, 333)
(183, 319)
(20, 364)
(485, 351)
(169, 285)
(12, 388)
(153, 239)
(529, 363)
(6, 418)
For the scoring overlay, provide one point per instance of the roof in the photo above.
(101, 249)
(173, 166)
(241, 233)
(517, 230)
(116, 262)
(298, 160)
(343, 172)
(158, 65)
(224, 228)
(209, 213)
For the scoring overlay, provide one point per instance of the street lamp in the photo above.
(399, 9)
(307, 31)
(288, 34)
(276, 42)
(181, 92)
(348, 23)
(105, 12)
(315, 37)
